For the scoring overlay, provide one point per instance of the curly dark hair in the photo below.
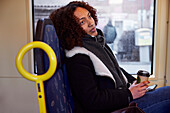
(68, 30)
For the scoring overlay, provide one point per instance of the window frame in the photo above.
(159, 44)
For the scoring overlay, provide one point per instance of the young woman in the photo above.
(97, 82)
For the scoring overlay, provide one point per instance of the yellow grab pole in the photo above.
(38, 78)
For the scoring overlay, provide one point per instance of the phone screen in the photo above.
(151, 88)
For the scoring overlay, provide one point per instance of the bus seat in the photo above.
(57, 91)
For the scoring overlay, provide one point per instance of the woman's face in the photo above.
(86, 21)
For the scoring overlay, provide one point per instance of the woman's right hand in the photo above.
(138, 90)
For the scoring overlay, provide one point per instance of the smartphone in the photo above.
(152, 87)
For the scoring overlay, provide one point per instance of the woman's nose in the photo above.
(90, 23)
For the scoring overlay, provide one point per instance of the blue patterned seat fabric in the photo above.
(57, 91)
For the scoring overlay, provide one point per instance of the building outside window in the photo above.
(128, 26)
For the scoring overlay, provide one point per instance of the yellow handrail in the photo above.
(38, 78)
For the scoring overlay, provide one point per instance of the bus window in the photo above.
(128, 27)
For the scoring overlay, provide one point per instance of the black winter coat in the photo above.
(91, 93)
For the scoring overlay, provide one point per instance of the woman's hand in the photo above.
(138, 90)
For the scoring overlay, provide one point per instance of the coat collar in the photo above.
(99, 38)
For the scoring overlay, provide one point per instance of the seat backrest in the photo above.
(57, 90)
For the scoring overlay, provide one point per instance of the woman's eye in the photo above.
(82, 22)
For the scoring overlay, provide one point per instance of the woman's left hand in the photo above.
(138, 90)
